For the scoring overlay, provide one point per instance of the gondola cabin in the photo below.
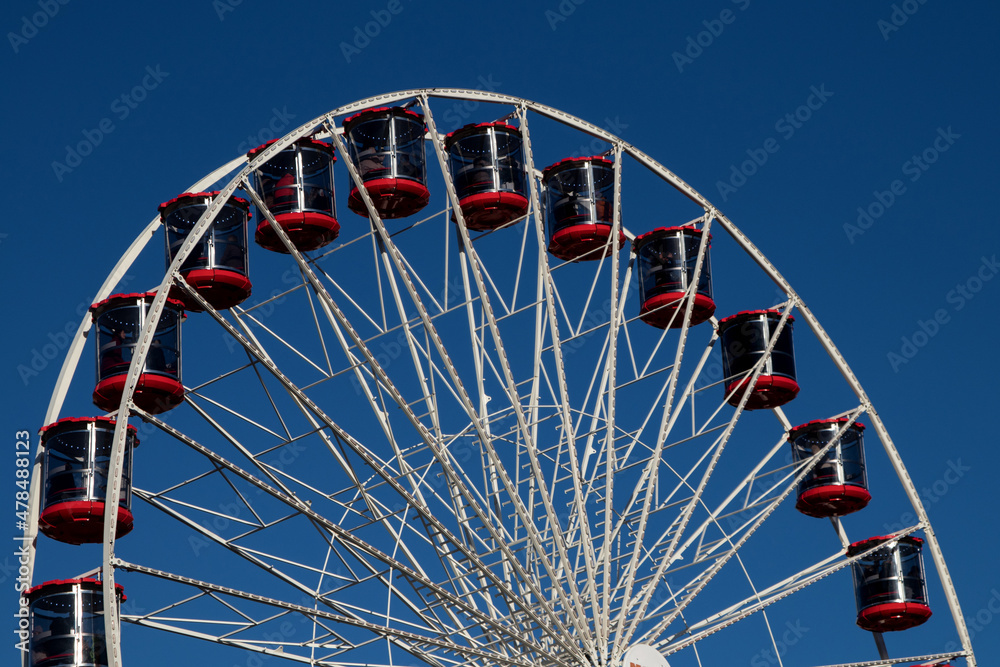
(66, 619)
(744, 338)
(119, 321)
(837, 485)
(75, 469)
(579, 208)
(296, 185)
(487, 166)
(889, 584)
(217, 267)
(387, 147)
(666, 258)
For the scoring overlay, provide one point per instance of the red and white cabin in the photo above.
(838, 484)
(75, 470)
(889, 584)
(487, 166)
(387, 147)
(217, 267)
(66, 623)
(296, 185)
(745, 337)
(579, 208)
(667, 258)
(119, 320)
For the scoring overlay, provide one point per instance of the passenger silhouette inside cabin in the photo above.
(602, 208)
(475, 177)
(55, 645)
(113, 356)
(285, 195)
(318, 199)
(160, 359)
(406, 167)
(509, 174)
(370, 162)
(482, 172)
(229, 252)
(571, 207)
(95, 650)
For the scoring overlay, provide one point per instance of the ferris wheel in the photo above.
(504, 393)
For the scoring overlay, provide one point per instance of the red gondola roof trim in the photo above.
(301, 141)
(191, 195)
(565, 162)
(467, 129)
(743, 314)
(817, 422)
(642, 238)
(71, 582)
(395, 111)
(865, 545)
(132, 296)
(76, 420)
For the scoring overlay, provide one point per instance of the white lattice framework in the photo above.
(428, 444)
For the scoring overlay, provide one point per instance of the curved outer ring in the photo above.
(118, 272)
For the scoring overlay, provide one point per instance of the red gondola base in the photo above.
(81, 521)
(154, 393)
(488, 210)
(307, 230)
(579, 243)
(771, 391)
(823, 502)
(893, 616)
(392, 197)
(659, 309)
(221, 288)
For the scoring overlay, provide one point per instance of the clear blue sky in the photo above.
(878, 127)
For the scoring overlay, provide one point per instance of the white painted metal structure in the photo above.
(431, 446)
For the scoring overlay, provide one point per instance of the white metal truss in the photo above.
(460, 453)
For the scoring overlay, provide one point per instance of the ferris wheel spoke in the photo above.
(248, 617)
(573, 604)
(430, 400)
(438, 528)
(717, 566)
(697, 631)
(580, 497)
(428, 325)
(672, 552)
(355, 547)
